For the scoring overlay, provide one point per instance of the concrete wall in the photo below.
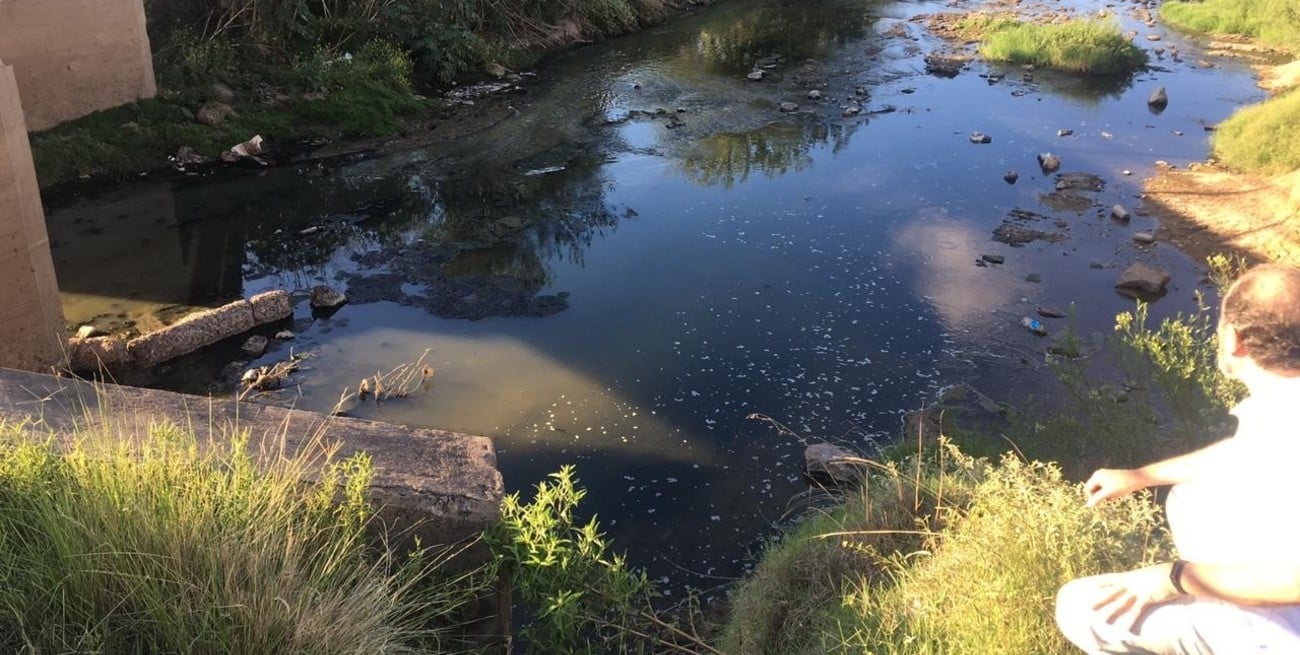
(31, 334)
(75, 57)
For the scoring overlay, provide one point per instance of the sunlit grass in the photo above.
(1273, 22)
(1262, 138)
(159, 546)
(1077, 46)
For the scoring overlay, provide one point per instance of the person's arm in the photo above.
(1127, 596)
(1200, 464)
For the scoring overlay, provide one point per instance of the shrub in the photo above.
(1076, 46)
(580, 596)
(165, 547)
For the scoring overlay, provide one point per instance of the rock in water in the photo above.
(1010, 177)
(814, 95)
(830, 463)
(324, 298)
(1142, 281)
(755, 76)
(980, 137)
(993, 259)
(284, 335)
(1159, 98)
(789, 107)
(255, 345)
(1144, 237)
(1051, 312)
(88, 332)
(1048, 162)
(1119, 213)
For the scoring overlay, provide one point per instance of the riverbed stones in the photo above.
(756, 76)
(1064, 132)
(832, 464)
(1010, 177)
(1080, 182)
(814, 95)
(994, 259)
(1120, 213)
(97, 353)
(87, 331)
(255, 345)
(1146, 238)
(325, 298)
(1048, 162)
(1143, 281)
(852, 110)
(789, 107)
(285, 335)
(1159, 98)
(1052, 312)
(980, 138)
(213, 113)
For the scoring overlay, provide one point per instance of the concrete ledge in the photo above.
(443, 487)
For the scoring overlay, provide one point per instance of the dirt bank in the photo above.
(1208, 209)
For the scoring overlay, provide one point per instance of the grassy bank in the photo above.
(1257, 139)
(316, 69)
(167, 549)
(1075, 46)
(940, 552)
(1271, 22)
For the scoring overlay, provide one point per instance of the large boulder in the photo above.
(271, 306)
(831, 464)
(1142, 281)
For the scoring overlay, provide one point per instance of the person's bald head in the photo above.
(1263, 308)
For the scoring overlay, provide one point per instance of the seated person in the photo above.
(1232, 510)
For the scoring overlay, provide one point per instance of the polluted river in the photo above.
(652, 247)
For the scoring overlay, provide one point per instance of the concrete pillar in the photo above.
(31, 318)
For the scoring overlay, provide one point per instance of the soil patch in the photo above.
(1206, 210)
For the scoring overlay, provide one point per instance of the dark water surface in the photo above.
(602, 285)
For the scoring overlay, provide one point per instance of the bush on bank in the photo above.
(163, 548)
(1261, 138)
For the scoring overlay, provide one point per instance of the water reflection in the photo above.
(735, 43)
(774, 150)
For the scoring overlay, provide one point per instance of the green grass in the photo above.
(369, 95)
(1272, 22)
(1262, 138)
(945, 565)
(1076, 46)
(944, 553)
(161, 547)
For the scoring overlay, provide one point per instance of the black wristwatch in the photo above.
(1176, 576)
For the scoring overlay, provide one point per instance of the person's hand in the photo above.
(1128, 596)
(1113, 483)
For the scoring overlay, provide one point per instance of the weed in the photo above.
(1260, 138)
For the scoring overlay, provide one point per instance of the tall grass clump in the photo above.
(1076, 46)
(965, 556)
(988, 583)
(1273, 22)
(167, 547)
(1261, 138)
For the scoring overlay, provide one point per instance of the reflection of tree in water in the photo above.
(486, 250)
(796, 30)
(774, 150)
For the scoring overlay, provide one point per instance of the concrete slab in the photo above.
(443, 487)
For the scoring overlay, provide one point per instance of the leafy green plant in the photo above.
(581, 597)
